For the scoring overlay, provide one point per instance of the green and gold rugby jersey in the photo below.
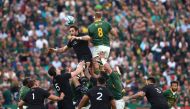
(171, 97)
(114, 84)
(99, 31)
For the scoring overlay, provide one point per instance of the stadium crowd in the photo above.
(153, 40)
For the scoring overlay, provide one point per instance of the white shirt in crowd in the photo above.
(41, 42)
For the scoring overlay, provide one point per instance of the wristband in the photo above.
(80, 38)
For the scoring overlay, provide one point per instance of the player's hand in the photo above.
(82, 63)
(126, 98)
(73, 38)
(62, 96)
(51, 50)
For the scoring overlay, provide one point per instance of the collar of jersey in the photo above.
(173, 92)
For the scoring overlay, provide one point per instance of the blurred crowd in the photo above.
(153, 40)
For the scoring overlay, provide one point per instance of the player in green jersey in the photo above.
(114, 82)
(24, 89)
(172, 95)
(98, 33)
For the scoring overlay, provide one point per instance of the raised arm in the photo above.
(87, 74)
(85, 98)
(78, 70)
(138, 94)
(59, 50)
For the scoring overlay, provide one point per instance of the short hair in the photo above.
(152, 79)
(101, 80)
(75, 27)
(98, 14)
(25, 81)
(31, 83)
(174, 82)
(52, 71)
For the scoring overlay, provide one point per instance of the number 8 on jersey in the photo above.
(100, 32)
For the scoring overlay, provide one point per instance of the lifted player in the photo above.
(172, 95)
(99, 35)
(153, 93)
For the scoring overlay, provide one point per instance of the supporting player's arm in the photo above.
(113, 104)
(56, 98)
(59, 50)
(138, 94)
(85, 98)
(106, 65)
(87, 74)
(78, 70)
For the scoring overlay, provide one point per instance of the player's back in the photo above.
(155, 96)
(61, 84)
(99, 31)
(100, 98)
(35, 98)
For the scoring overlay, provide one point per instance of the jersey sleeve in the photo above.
(25, 98)
(109, 26)
(66, 76)
(89, 31)
(114, 75)
(69, 44)
(165, 93)
(145, 89)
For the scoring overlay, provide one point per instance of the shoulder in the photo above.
(91, 25)
(167, 91)
(105, 22)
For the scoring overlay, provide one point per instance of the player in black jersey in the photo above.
(100, 97)
(34, 99)
(61, 84)
(153, 93)
(80, 46)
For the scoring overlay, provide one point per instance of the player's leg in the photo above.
(106, 50)
(95, 54)
(120, 104)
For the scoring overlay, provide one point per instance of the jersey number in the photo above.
(57, 87)
(100, 32)
(158, 90)
(33, 96)
(99, 96)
